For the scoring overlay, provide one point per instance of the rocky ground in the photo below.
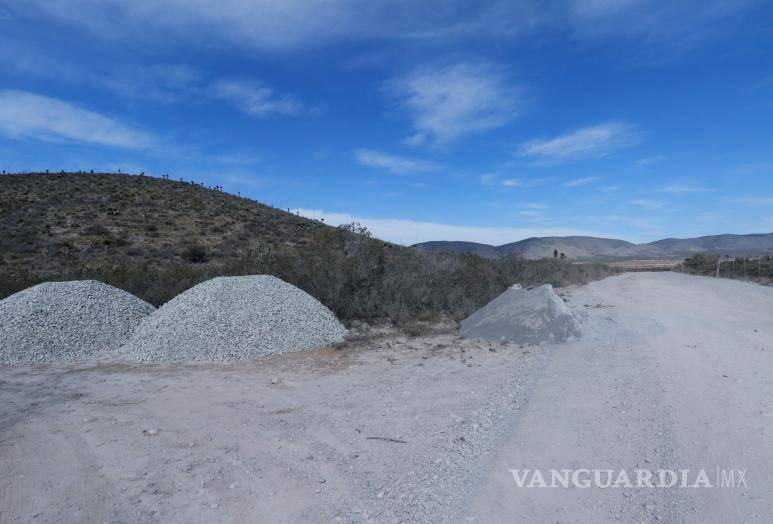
(383, 429)
(672, 371)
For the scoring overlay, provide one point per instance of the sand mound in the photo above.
(67, 321)
(523, 316)
(233, 318)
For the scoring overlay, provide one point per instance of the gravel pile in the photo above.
(523, 316)
(67, 321)
(233, 318)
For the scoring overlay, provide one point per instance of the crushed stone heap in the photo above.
(67, 321)
(234, 318)
(523, 316)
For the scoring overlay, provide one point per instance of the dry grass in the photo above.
(644, 265)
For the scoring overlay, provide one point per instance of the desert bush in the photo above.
(361, 278)
(356, 276)
(195, 254)
(755, 269)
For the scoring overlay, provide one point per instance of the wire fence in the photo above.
(754, 269)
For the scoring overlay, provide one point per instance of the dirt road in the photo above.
(673, 372)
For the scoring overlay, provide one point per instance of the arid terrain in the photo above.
(673, 371)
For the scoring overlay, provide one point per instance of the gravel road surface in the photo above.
(673, 372)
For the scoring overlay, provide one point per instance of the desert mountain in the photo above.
(592, 248)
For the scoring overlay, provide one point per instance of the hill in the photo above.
(575, 247)
(607, 249)
(754, 244)
(51, 221)
(157, 237)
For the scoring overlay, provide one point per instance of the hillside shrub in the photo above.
(354, 275)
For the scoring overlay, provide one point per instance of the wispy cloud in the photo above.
(398, 165)
(587, 142)
(581, 181)
(282, 25)
(160, 82)
(684, 23)
(450, 102)
(532, 205)
(651, 228)
(25, 115)
(407, 232)
(256, 99)
(495, 179)
(649, 205)
(489, 179)
(754, 201)
(531, 215)
(646, 162)
(534, 212)
(756, 168)
(681, 189)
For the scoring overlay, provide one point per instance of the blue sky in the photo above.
(488, 121)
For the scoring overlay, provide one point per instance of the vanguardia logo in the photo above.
(637, 478)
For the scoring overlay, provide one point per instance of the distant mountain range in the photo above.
(592, 248)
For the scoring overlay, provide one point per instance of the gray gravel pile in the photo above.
(67, 321)
(234, 318)
(523, 316)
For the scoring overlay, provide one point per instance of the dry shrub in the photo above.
(356, 276)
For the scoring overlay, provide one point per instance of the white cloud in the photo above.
(651, 228)
(489, 179)
(532, 215)
(588, 142)
(408, 232)
(581, 181)
(283, 25)
(650, 205)
(26, 115)
(643, 163)
(755, 201)
(532, 205)
(494, 179)
(256, 99)
(450, 102)
(162, 82)
(683, 23)
(680, 189)
(398, 165)
(418, 139)
(758, 168)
